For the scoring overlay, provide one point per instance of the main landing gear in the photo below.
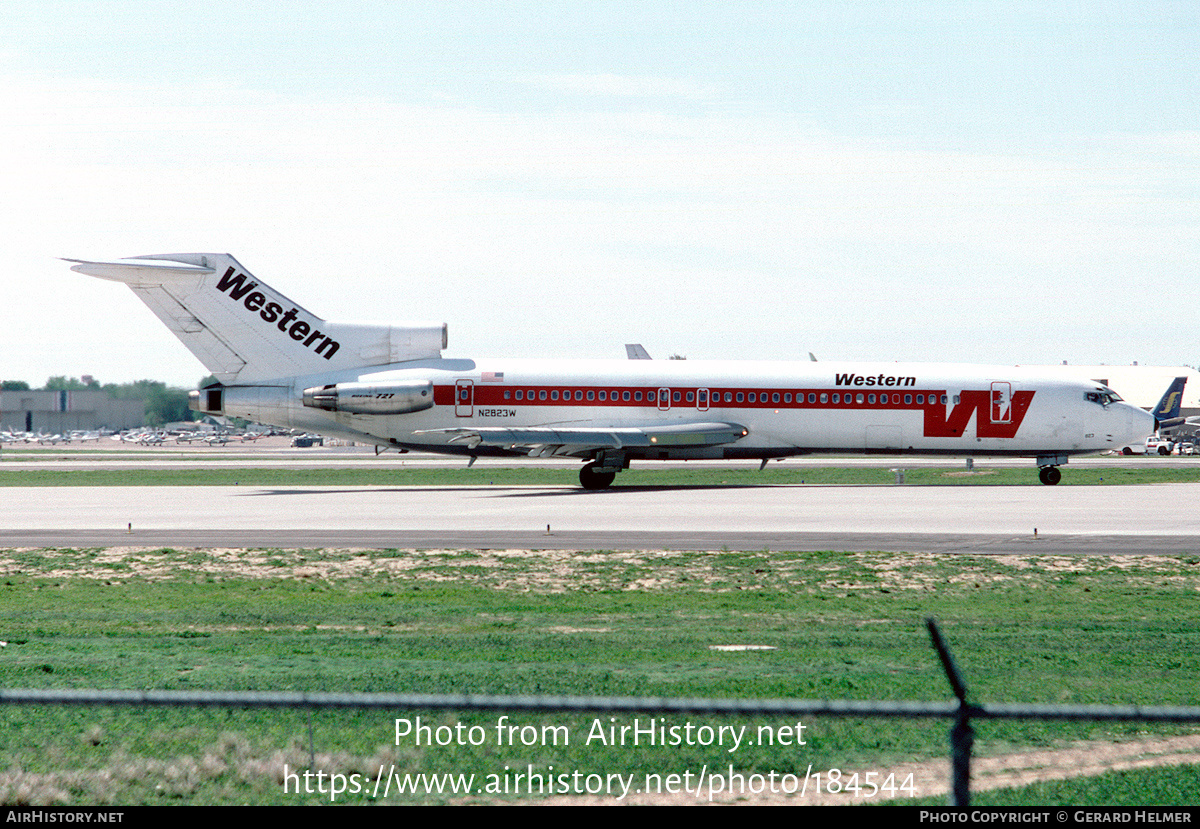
(591, 478)
(599, 472)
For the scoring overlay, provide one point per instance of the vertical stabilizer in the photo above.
(1168, 407)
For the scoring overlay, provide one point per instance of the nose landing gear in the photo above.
(1048, 467)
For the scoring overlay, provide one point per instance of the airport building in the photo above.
(55, 412)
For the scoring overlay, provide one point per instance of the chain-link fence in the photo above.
(463, 747)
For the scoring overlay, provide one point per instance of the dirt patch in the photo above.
(561, 571)
(932, 779)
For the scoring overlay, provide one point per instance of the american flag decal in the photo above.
(493, 377)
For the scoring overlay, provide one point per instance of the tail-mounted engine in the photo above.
(401, 397)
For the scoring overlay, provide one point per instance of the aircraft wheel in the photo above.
(589, 478)
(1049, 475)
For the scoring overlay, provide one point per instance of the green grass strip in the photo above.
(540, 476)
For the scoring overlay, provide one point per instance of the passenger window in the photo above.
(871, 399)
(812, 397)
(860, 398)
(920, 400)
(837, 398)
(554, 394)
(578, 395)
(907, 399)
(728, 397)
(775, 397)
(750, 397)
(691, 396)
(625, 396)
(507, 394)
(520, 394)
(787, 397)
(592, 395)
(740, 397)
(542, 394)
(824, 397)
(675, 397)
(604, 395)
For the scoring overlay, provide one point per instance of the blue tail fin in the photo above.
(1168, 407)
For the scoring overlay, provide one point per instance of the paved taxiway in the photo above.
(1145, 519)
(1140, 519)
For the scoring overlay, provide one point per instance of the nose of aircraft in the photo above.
(1140, 424)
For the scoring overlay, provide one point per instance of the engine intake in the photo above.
(402, 397)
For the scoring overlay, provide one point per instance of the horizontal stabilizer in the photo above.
(138, 271)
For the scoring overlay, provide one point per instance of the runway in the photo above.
(1144, 519)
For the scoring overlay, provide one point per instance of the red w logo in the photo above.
(998, 413)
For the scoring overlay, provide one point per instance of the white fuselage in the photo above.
(786, 408)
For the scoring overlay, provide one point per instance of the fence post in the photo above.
(962, 739)
(962, 736)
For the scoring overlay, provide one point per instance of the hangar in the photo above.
(56, 412)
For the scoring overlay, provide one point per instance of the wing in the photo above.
(581, 440)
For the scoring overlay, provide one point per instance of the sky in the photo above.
(1013, 182)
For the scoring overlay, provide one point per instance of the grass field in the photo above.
(11, 474)
(1069, 630)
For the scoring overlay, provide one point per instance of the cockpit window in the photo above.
(1103, 397)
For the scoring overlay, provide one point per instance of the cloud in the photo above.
(607, 84)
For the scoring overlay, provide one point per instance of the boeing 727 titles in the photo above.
(278, 363)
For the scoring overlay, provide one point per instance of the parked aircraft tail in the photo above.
(244, 331)
(1167, 410)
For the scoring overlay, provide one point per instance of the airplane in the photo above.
(1167, 410)
(1166, 415)
(277, 363)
